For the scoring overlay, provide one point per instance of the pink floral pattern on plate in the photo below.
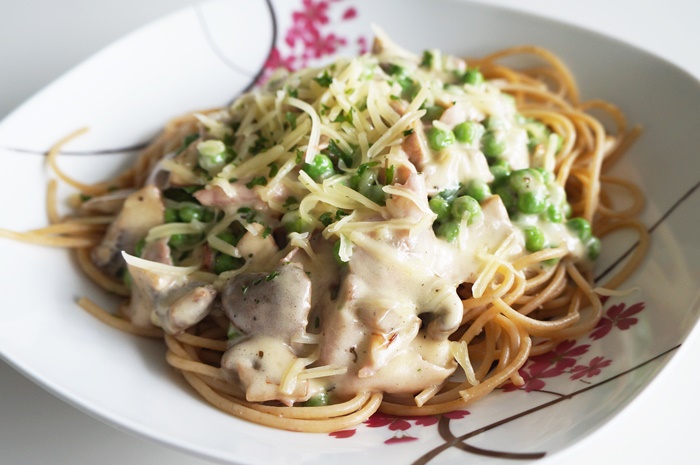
(311, 36)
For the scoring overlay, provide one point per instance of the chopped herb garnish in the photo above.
(272, 276)
(260, 145)
(291, 200)
(336, 151)
(363, 167)
(247, 214)
(274, 169)
(324, 80)
(408, 132)
(389, 175)
(344, 117)
(428, 58)
(291, 119)
(187, 140)
(256, 181)
(326, 218)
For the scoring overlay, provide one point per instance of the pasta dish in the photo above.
(391, 232)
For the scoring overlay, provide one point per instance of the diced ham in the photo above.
(239, 195)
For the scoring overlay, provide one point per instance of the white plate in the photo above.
(202, 57)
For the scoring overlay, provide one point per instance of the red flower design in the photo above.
(400, 425)
(549, 365)
(276, 60)
(313, 13)
(456, 415)
(400, 438)
(379, 420)
(362, 43)
(350, 13)
(309, 37)
(346, 433)
(617, 316)
(590, 370)
(562, 357)
(532, 383)
(426, 421)
(318, 45)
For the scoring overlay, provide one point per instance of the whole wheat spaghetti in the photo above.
(391, 232)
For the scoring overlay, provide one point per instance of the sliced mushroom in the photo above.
(107, 204)
(142, 211)
(171, 301)
(259, 364)
(274, 304)
(260, 247)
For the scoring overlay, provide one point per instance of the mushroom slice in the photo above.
(142, 211)
(275, 304)
(261, 364)
(166, 296)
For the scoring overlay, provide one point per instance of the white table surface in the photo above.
(41, 39)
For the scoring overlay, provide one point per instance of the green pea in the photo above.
(320, 168)
(292, 222)
(441, 207)
(508, 197)
(493, 123)
(466, 206)
(580, 227)
(433, 112)
(229, 237)
(500, 171)
(212, 155)
(376, 194)
(182, 241)
(525, 179)
(493, 143)
(472, 77)
(477, 189)
(317, 401)
(438, 139)
(171, 215)
(448, 230)
(224, 262)
(367, 179)
(593, 248)
(534, 238)
(533, 201)
(554, 214)
(189, 213)
(468, 132)
(547, 176)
